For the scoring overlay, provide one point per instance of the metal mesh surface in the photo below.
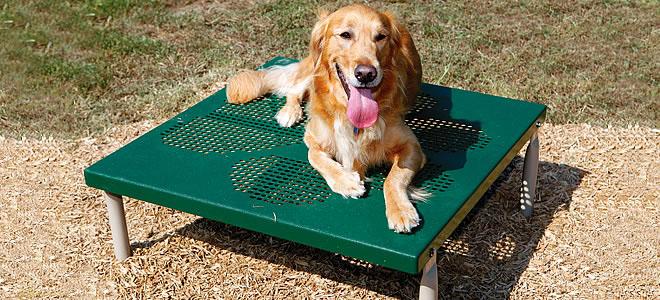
(252, 126)
(444, 135)
(231, 128)
(279, 180)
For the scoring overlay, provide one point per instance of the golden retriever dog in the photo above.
(361, 77)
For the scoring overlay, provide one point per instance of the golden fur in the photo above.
(340, 156)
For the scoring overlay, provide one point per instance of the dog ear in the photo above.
(397, 29)
(318, 35)
(322, 13)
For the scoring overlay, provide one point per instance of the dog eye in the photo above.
(345, 35)
(380, 37)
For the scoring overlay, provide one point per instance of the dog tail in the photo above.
(418, 194)
(280, 80)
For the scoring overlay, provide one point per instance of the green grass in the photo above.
(74, 68)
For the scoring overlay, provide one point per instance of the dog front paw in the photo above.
(348, 185)
(403, 217)
(289, 115)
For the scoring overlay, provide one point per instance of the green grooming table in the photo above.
(236, 165)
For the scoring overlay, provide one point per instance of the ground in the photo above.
(81, 79)
(594, 233)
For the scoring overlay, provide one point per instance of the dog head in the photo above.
(353, 50)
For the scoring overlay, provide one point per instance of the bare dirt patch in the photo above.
(594, 234)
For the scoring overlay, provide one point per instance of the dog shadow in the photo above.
(483, 258)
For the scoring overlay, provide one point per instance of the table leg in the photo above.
(530, 173)
(428, 287)
(118, 225)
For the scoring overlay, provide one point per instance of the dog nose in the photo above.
(365, 74)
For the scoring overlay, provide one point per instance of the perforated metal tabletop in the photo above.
(235, 164)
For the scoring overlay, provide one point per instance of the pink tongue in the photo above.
(362, 109)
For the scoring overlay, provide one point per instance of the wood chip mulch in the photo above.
(594, 234)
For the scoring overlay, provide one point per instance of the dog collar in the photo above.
(356, 131)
